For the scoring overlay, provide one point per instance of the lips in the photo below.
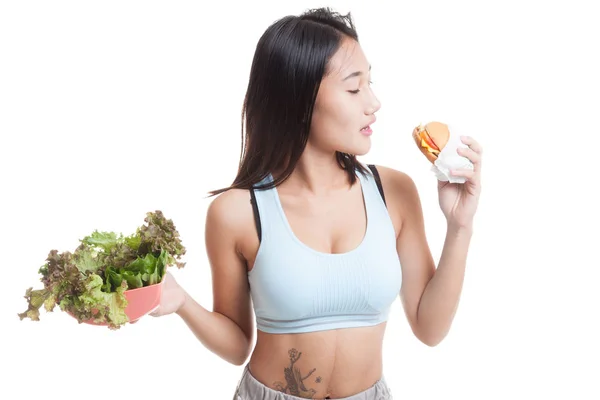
(368, 126)
(366, 131)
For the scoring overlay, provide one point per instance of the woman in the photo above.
(317, 244)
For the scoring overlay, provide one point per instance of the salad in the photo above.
(89, 283)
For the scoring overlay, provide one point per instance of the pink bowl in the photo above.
(140, 302)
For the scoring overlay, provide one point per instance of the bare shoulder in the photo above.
(395, 180)
(229, 208)
(401, 194)
(230, 218)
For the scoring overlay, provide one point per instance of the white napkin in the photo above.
(449, 159)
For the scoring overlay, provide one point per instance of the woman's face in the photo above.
(345, 104)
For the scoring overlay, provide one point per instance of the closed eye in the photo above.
(358, 90)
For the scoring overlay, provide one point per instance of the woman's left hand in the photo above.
(459, 201)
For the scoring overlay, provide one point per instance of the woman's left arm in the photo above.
(430, 295)
(458, 202)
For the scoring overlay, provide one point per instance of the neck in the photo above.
(317, 173)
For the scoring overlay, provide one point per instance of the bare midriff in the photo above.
(317, 365)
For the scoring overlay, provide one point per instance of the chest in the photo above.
(335, 226)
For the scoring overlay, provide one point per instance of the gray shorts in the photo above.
(251, 389)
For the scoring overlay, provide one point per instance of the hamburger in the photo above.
(431, 139)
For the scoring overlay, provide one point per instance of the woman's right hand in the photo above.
(172, 298)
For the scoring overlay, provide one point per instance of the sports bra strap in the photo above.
(256, 213)
(373, 169)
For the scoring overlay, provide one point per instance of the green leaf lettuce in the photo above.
(90, 283)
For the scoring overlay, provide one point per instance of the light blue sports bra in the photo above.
(297, 289)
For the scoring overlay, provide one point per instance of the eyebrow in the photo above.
(352, 75)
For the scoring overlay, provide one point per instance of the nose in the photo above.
(374, 105)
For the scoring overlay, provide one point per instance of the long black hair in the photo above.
(290, 60)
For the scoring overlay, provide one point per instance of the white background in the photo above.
(112, 109)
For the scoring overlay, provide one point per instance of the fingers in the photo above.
(465, 173)
(472, 143)
(473, 156)
(155, 312)
(473, 152)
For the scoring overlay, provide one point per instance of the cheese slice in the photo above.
(429, 148)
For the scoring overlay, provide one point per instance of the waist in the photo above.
(336, 363)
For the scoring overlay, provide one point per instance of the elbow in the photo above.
(431, 342)
(238, 361)
(240, 357)
(431, 339)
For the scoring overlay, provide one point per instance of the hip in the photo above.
(249, 388)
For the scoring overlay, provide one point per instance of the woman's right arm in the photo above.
(228, 330)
